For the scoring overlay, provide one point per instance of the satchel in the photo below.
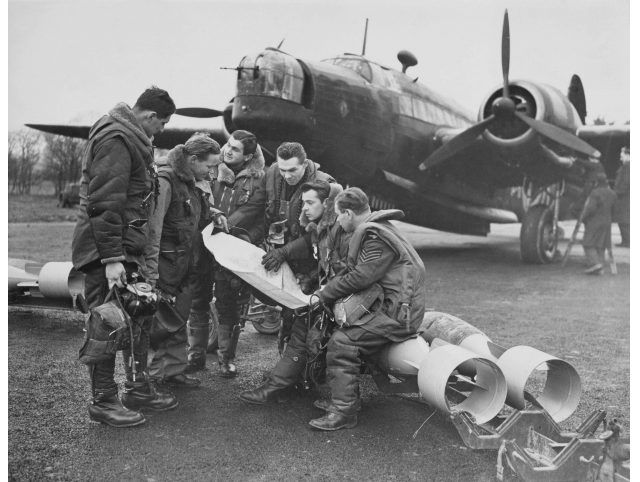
(350, 309)
(107, 330)
(167, 320)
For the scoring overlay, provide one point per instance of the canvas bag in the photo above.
(350, 309)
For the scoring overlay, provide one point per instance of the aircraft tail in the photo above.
(576, 96)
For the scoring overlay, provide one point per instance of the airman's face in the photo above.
(153, 125)
(201, 168)
(312, 206)
(345, 218)
(233, 153)
(292, 169)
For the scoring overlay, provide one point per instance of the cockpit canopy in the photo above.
(271, 73)
(359, 65)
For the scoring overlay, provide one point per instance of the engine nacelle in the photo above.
(539, 101)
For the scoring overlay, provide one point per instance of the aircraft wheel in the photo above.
(269, 325)
(537, 243)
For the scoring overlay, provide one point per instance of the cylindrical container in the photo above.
(404, 358)
(486, 395)
(457, 332)
(60, 280)
(560, 394)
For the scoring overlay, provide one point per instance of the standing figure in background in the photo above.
(622, 187)
(118, 185)
(598, 211)
(174, 234)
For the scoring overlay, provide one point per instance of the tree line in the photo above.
(35, 157)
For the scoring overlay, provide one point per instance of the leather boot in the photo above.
(109, 410)
(284, 374)
(106, 406)
(227, 341)
(261, 395)
(182, 381)
(143, 395)
(324, 404)
(334, 421)
(197, 337)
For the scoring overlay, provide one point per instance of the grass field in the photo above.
(33, 208)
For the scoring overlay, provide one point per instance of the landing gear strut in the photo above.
(539, 233)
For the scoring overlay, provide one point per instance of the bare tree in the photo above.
(62, 160)
(24, 152)
(12, 164)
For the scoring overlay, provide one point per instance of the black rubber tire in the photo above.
(269, 325)
(537, 245)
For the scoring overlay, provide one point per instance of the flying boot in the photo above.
(345, 401)
(106, 406)
(227, 343)
(334, 421)
(197, 338)
(140, 393)
(284, 374)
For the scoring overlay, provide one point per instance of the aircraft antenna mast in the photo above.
(364, 42)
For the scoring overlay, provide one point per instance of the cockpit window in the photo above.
(271, 73)
(359, 66)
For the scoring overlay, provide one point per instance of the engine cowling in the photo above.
(539, 101)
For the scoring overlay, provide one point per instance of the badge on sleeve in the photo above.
(370, 253)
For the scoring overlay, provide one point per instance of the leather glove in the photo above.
(306, 283)
(273, 259)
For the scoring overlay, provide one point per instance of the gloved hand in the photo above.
(219, 219)
(274, 259)
(306, 283)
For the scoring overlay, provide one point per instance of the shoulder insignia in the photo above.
(368, 254)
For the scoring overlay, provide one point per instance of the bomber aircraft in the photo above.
(525, 159)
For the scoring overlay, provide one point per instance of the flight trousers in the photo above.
(345, 352)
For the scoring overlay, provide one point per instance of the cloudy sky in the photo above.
(72, 60)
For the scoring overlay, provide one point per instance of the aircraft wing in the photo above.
(607, 139)
(169, 138)
(479, 163)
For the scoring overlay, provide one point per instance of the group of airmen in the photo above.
(142, 217)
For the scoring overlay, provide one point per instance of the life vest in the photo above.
(404, 283)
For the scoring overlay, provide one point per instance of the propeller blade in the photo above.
(558, 135)
(81, 132)
(506, 54)
(199, 112)
(455, 145)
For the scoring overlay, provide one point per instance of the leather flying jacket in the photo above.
(118, 186)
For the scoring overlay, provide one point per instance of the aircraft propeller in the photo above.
(199, 112)
(504, 110)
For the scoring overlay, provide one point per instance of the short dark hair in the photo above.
(248, 139)
(323, 188)
(287, 150)
(201, 145)
(353, 198)
(157, 100)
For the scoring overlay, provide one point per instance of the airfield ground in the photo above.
(214, 436)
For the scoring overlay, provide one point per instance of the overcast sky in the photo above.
(73, 60)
